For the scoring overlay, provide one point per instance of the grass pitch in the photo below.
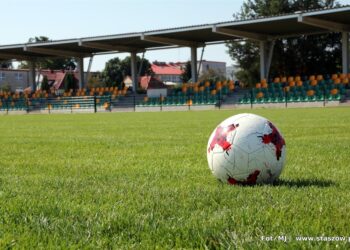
(141, 180)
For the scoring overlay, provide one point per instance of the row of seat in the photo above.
(289, 98)
(55, 103)
(301, 90)
(334, 77)
(296, 89)
(206, 92)
(182, 100)
(107, 91)
(223, 87)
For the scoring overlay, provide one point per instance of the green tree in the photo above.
(95, 81)
(186, 75)
(212, 76)
(5, 87)
(49, 63)
(146, 68)
(303, 55)
(112, 73)
(45, 84)
(5, 64)
(116, 70)
(70, 82)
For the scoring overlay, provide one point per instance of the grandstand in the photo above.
(330, 90)
(296, 89)
(280, 90)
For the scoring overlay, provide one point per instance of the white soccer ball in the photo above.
(246, 149)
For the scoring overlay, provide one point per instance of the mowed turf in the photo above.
(141, 181)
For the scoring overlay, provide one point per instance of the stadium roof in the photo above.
(260, 29)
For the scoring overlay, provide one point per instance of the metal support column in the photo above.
(200, 61)
(88, 73)
(32, 82)
(133, 71)
(141, 64)
(80, 66)
(269, 59)
(345, 52)
(194, 75)
(263, 60)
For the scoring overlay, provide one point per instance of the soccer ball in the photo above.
(246, 149)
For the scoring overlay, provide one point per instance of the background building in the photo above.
(171, 72)
(231, 72)
(18, 79)
(167, 72)
(14, 79)
(218, 67)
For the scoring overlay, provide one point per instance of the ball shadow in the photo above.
(300, 183)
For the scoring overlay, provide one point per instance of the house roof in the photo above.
(57, 77)
(59, 80)
(54, 76)
(149, 82)
(166, 69)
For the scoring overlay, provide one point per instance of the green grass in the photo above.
(141, 180)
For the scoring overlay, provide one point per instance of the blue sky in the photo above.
(81, 18)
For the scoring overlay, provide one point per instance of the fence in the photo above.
(108, 103)
(94, 104)
(288, 99)
(58, 104)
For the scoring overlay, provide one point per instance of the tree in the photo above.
(70, 82)
(212, 76)
(303, 55)
(45, 84)
(57, 64)
(95, 81)
(116, 70)
(146, 68)
(186, 75)
(49, 63)
(5, 64)
(112, 73)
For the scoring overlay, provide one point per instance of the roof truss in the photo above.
(240, 33)
(7, 56)
(171, 41)
(328, 25)
(108, 47)
(54, 52)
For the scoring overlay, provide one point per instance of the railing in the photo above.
(287, 99)
(90, 104)
(108, 103)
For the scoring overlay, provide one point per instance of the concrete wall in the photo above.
(283, 105)
(175, 108)
(179, 108)
(157, 92)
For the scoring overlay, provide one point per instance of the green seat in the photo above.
(311, 98)
(319, 97)
(296, 99)
(336, 97)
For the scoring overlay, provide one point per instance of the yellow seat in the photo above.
(319, 77)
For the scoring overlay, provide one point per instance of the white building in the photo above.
(15, 79)
(231, 72)
(218, 67)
